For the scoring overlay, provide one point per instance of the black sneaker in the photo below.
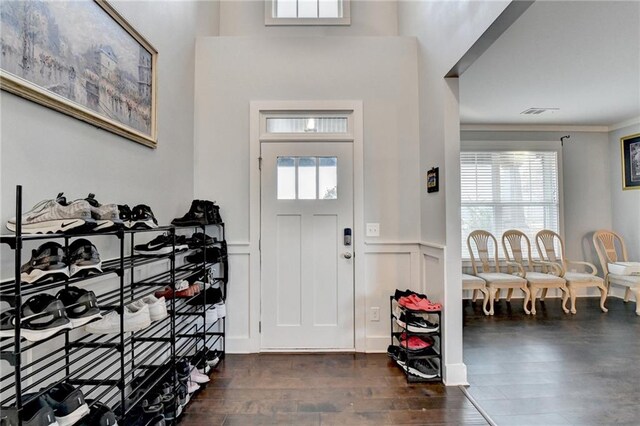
(161, 245)
(100, 415)
(399, 293)
(67, 403)
(124, 214)
(196, 216)
(7, 322)
(107, 216)
(43, 316)
(81, 306)
(200, 239)
(213, 255)
(212, 296)
(416, 324)
(48, 262)
(421, 368)
(142, 218)
(84, 258)
(183, 369)
(36, 412)
(396, 353)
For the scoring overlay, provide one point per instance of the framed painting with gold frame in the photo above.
(81, 58)
(630, 152)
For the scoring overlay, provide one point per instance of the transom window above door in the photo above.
(307, 12)
(307, 178)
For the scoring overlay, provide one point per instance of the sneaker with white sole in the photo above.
(67, 402)
(42, 316)
(192, 387)
(211, 315)
(136, 318)
(198, 377)
(157, 307)
(221, 308)
(84, 258)
(52, 216)
(416, 324)
(81, 306)
(48, 262)
(106, 216)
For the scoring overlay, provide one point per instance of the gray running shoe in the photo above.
(106, 215)
(51, 216)
(47, 262)
(420, 367)
(84, 258)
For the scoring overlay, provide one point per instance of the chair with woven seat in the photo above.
(546, 244)
(605, 243)
(512, 241)
(475, 284)
(482, 268)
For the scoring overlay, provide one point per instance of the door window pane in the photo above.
(307, 8)
(286, 9)
(328, 178)
(307, 178)
(286, 178)
(307, 125)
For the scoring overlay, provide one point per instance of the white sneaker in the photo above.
(192, 386)
(157, 307)
(221, 308)
(136, 318)
(197, 376)
(211, 316)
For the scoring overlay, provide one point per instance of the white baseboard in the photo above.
(455, 375)
(239, 345)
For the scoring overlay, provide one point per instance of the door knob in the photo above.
(346, 255)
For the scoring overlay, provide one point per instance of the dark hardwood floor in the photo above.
(554, 368)
(313, 389)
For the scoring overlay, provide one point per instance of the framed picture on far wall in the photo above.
(630, 147)
(81, 58)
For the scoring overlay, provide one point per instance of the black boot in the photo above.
(213, 212)
(197, 215)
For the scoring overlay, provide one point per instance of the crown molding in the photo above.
(623, 124)
(532, 128)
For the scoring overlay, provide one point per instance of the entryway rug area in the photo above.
(555, 368)
(331, 389)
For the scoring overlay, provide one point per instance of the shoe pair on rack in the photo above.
(202, 212)
(414, 323)
(49, 262)
(416, 302)
(138, 315)
(419, 346)
(44, 315)
(139, 217)
(424, 368)
(161, 245)
(215, 306)
(205, 359)
(58, 215)
(59, 405)
(183, 290)
(210, 255)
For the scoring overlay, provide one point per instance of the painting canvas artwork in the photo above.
(81, 58)
(630, 147)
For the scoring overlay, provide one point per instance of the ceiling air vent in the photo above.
(538, 111)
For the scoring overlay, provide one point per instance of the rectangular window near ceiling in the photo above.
(335, 125)
(307, 178)
(307, 12)
(502, 190)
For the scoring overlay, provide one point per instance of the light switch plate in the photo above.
(373, 229)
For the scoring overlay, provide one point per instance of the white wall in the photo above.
(381, 72)
(445, 31)
(625, 204)
(585, 179)
(368, 18)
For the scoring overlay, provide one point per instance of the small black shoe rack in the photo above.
(104, 366)
(397, 331)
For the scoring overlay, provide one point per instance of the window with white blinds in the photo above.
(504, 190)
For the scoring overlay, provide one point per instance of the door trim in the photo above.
(257, 108)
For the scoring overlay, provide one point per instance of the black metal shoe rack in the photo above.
(108, 368)
(397, 331)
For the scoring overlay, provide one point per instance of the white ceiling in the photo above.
(581, 57)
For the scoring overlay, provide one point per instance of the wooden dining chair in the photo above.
(605, 243)
(477, 284)
(486, 247)
(512, 243)
(546, 242)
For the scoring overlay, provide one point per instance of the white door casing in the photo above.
(307, 295)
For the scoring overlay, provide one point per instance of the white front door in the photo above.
(307, 269)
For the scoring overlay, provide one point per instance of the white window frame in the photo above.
(271, 20)
(498, 146)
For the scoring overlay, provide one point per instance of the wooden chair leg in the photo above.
(572, 294)
(485, 301)
(637, 292)
(534, 293)
(492, 297)
(475, 296)
(497, 295)
(509, 294)
(565, 297)
(544, 294)
(527, 297)
(627, 294)
(603, 297)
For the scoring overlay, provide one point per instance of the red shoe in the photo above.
(415, 343)
(167, 293)
(408, 303)
(425, 304)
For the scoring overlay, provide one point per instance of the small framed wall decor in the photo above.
(630, 147)
(433, 184)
